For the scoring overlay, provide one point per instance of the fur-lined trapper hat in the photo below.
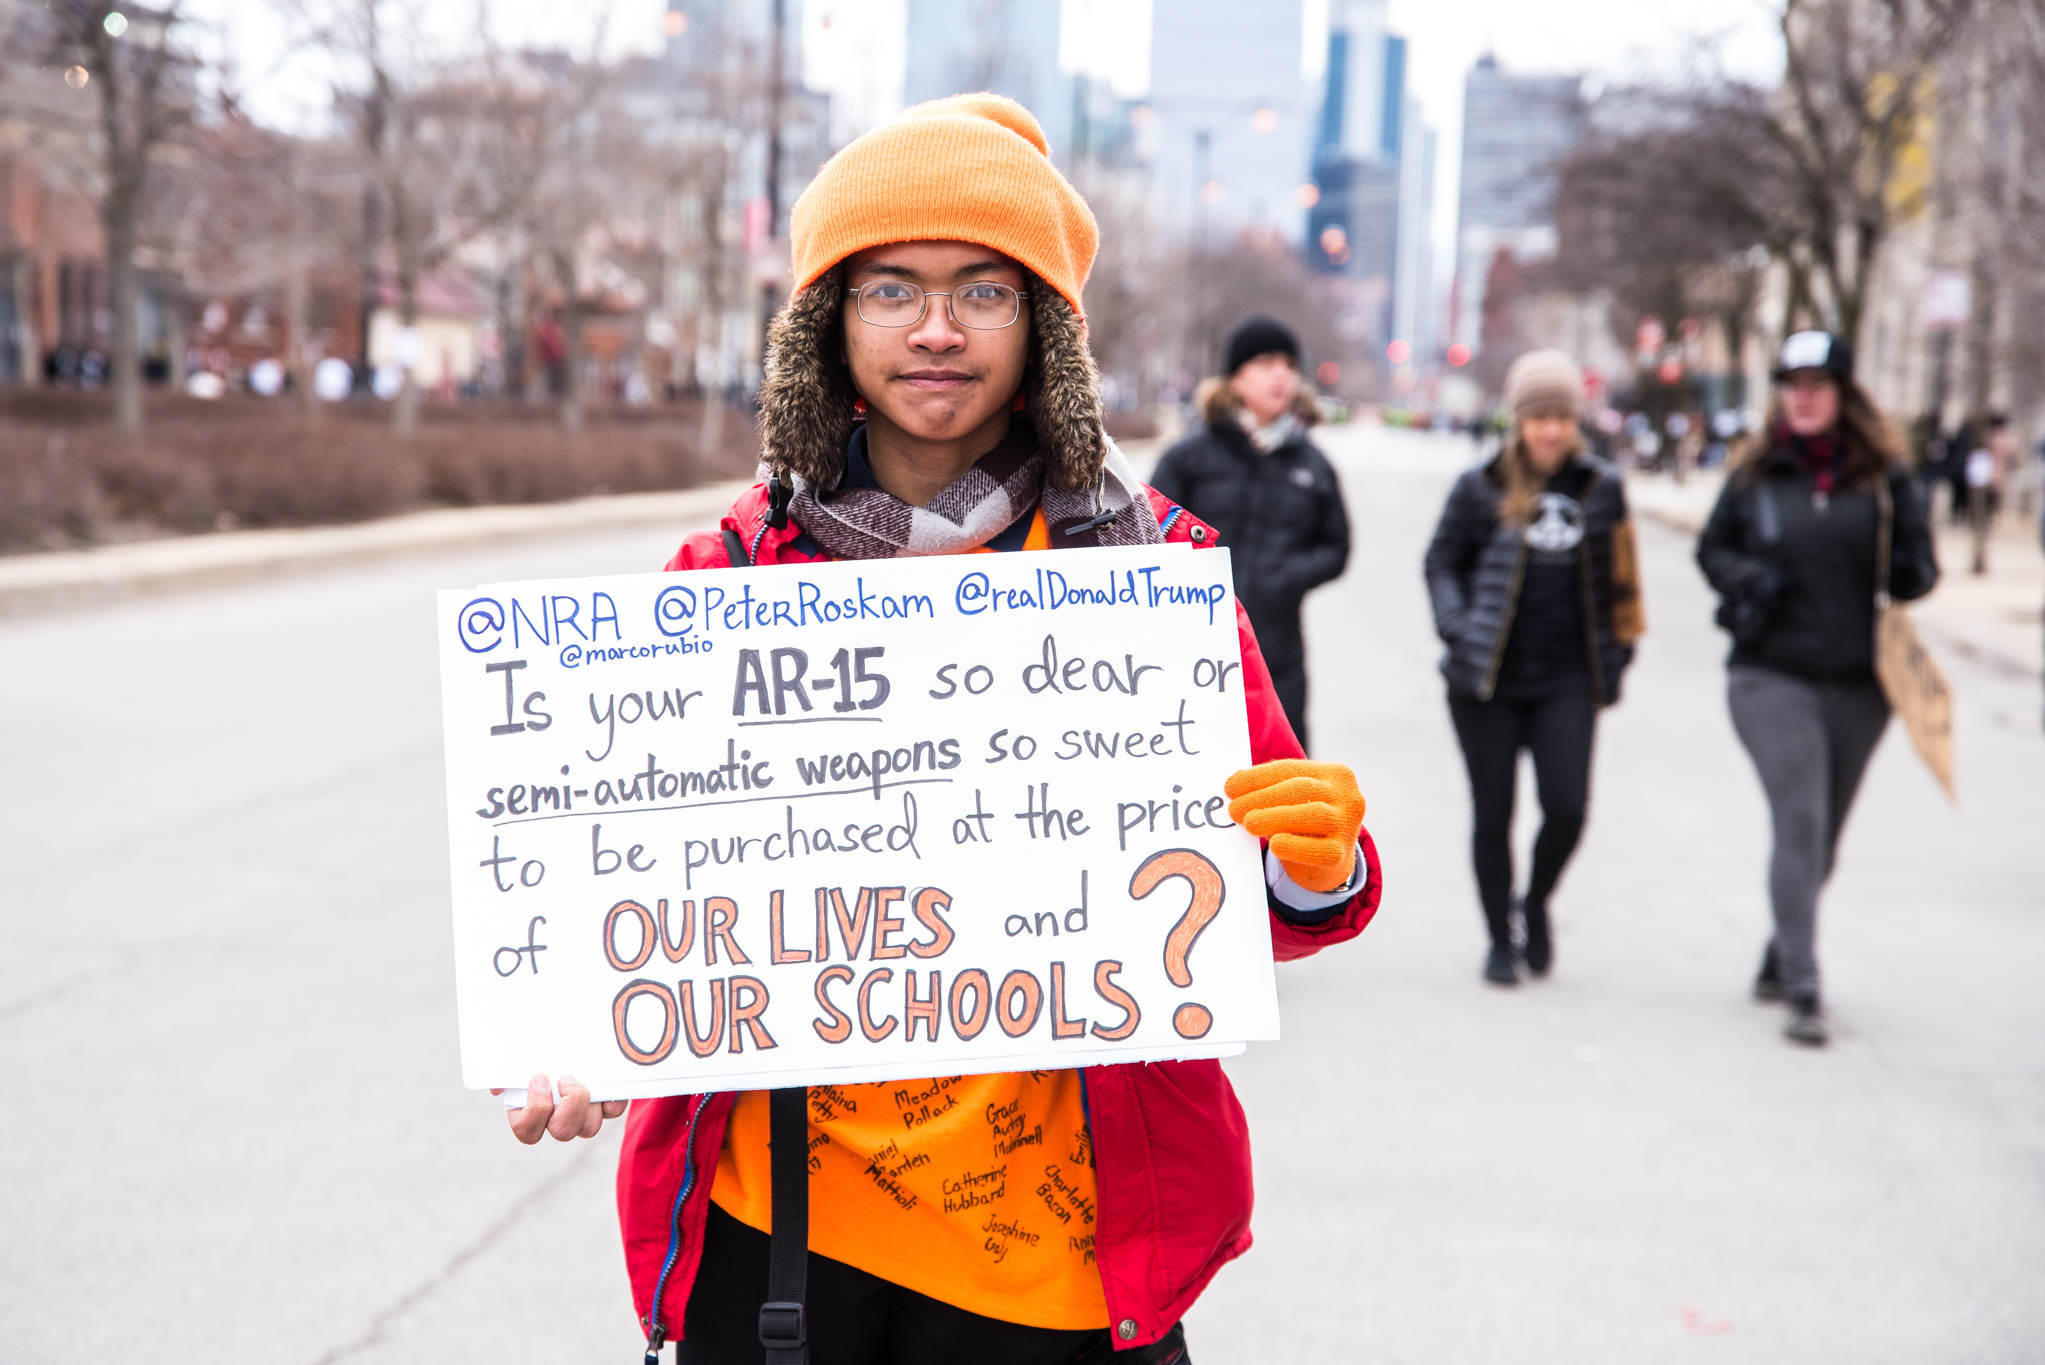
(975, 168)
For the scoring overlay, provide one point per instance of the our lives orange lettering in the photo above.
(930, 905)
(776, 950)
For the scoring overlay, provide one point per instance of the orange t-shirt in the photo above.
(975, 1190)
(1039, 537)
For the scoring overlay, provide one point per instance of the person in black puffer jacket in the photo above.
(1533, 575)
(1251, 473)
(1791, 549)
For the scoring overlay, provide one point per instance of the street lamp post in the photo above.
(1203, 147)
(776, 93)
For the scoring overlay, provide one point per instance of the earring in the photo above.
(859, 407)
(1017, 405)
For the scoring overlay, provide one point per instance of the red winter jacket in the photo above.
(1171, 1147)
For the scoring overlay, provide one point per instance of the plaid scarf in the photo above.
(1817, 456)
(1002, 486)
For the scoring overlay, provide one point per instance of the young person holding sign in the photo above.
(930, 392)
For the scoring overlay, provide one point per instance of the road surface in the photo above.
(237, 1132)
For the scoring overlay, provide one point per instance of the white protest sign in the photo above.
(851, 821)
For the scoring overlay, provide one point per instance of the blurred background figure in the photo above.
(1992, 467)
(1791, 548)
(1250, 472)
(1533, 576)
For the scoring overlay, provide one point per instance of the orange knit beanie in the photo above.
(972, 168)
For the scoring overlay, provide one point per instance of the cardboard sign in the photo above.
(1918, 691)
(857, 821)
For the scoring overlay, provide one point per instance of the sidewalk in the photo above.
(69, 579)
(1995, 620)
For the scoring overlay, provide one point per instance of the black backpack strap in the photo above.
(735, 550)
(784, 1323)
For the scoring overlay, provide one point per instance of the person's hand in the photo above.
(575, 1116)
(1309, 812)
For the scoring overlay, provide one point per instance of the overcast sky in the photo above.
(853, 48)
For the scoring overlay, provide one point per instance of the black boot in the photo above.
(1768, 982)
(1540, 949)
(1498, 966)
(1806, 1021)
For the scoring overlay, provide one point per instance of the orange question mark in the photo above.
(1191, 1020)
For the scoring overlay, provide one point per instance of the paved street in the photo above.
(238, 1135)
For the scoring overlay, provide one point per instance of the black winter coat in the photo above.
(1280, 515)
(1476, 564)
(1810, 569)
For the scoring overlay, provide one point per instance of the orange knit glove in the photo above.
(1310, 813)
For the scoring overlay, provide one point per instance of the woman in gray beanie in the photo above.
(1536, 596)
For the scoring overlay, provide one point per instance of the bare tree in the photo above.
(1988, 184)
(444, 147)
(1665, 203)
(1655, 214)
(254, 213)
(590, 196)
(136, 59)
(1858, 80)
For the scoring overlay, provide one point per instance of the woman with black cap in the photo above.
(1818, 527)
(1252, 474)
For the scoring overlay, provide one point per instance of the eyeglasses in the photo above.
(984, 307)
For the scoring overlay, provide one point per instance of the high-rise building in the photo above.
(1009, 47)
(1229, 119)
(1373, 173)
(1415, 318)
(1516, 130)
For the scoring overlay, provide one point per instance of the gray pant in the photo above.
(1810, 742)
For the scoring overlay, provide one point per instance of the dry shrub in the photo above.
(66, 477)
(48, 497)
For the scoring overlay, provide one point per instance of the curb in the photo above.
(69, 579)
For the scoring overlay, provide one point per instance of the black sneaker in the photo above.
(1768, 982)
(1540, 947)
(1806, 1022)
(1498, 968)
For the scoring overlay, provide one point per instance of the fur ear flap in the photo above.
(806, 395)
(1064, 389)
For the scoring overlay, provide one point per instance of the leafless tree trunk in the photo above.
(24, 319)
(1858, 80)
(571, 318)
(129, 57)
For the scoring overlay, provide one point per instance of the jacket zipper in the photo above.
(657, 1335)
(1512, 606)
(1590, 597)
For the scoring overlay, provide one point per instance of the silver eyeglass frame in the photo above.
(1021, 296)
